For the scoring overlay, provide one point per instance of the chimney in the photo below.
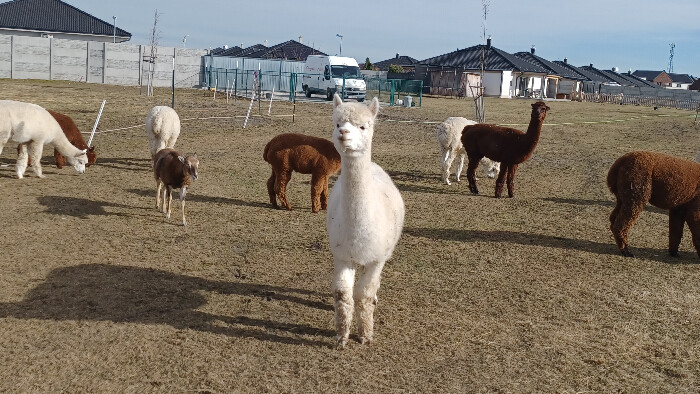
(241, 45)
(532, 50)
(591, 65)
(488, 42)
(397, 55)
(300, 40)
(566, 61)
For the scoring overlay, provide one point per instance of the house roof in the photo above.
(681, 78)
(399, 60)
(589, 76)
(636, 81)
(289, 50)
(238, 51)
(54, 16)
(649, 75)
(496, 60)
(551, 67)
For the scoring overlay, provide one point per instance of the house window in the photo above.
(678, 85)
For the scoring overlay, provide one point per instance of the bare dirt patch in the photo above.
(100, 293)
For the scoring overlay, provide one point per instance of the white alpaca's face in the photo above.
(79, 161)
(353, 126)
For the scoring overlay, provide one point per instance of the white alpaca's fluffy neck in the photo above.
(356, 178)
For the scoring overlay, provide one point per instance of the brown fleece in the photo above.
(667, 182)
(306, 155)
(509, 146)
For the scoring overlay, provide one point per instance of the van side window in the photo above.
(327, 72)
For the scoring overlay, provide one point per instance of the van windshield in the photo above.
(346, 71)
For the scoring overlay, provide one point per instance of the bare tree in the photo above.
(479, 96)
(155, 37)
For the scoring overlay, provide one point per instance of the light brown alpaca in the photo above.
(304, 154)
(667, 182)
(509, 146)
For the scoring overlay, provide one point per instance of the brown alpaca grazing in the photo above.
(667, 182)
(74, 137)
(509, 146)
(306, 155)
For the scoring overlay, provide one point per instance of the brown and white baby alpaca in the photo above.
(173, 171)
(304, 154)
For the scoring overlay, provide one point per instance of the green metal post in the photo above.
(420, 101)
(391, 99)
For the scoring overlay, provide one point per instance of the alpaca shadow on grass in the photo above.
(123, 294)
(79, 207)
(611, 204)
(193, 196)
(549, 241)
(437, 189)
(131, 164)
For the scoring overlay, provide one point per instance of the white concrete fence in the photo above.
(96, 62)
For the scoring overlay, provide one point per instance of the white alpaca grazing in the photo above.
(449, 136)
(32, 126)
(364, 220)
(162, 128)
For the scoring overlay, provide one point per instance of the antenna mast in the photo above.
(670, 58)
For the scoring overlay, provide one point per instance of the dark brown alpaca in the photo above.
(74, 137)
(664, 181)
(509, 146)
(304, 154)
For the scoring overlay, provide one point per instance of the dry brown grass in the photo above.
(529, 294)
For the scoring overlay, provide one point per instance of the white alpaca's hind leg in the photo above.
(343, 278)
(446, 165)
(22, 158)
(460, 165)
(365, 296)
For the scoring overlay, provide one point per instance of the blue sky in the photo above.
(628, 34)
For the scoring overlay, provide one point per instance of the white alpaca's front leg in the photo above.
(343, 279)
(22, 158)
(35, 151)
(366, 299)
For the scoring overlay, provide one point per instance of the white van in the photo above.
(330, 74)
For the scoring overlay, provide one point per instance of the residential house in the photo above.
(505, 75)
(56, 19)
(659, 78)
(680, 81)
(406, 62)
(561, 82)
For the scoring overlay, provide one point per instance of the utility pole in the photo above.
(341, 44)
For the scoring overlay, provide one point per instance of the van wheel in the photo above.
(361, 99)
(307, 91)
(329, 94)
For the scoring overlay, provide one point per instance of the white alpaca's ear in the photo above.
(337, 100)
(82, 152)
(182, 158)
(374, 107)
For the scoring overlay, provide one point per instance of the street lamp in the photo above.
(341, 44)
(184, 40)
(114, 35)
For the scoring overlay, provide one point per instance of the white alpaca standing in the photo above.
(162, 128)
(449, 136)
(364, 220)
(32, 126)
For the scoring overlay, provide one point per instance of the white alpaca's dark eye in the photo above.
(362, 127)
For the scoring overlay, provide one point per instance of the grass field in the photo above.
(100, 293)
